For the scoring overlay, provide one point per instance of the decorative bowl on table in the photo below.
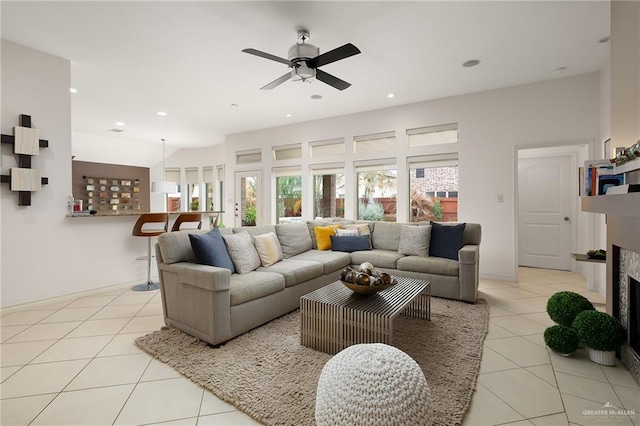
(366, 279)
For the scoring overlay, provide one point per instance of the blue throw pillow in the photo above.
(446, 240)
(210, 249)
(349, 243)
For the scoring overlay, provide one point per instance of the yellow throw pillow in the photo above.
(323, 236)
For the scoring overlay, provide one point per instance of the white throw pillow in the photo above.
(343, 232)
(268, 248)
(242, 252)
(414, 240)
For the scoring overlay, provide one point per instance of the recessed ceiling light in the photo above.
(390, 95)
(119, 123)
(288, 114)
(162, 113)
(560, 70)
(604, 39)
(316, 96)
(471, 63)
(234, 105)
(114, 130)
(72, 90)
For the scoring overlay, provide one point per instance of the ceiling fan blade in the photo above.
(331, 80)
(333, 55)
(268, 56)
(278, 81)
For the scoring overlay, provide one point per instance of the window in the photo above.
(376, 142)
(173, 200)
(433, 186)
(326, 147)
(287, 152)
(252, 156)
(433, 135)
(328, 190)
(377, 189)
(288, 195)
(209, 188)
(193, 190)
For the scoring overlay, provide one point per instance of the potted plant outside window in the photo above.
(562, 340)
(601, 333)
(564, 306)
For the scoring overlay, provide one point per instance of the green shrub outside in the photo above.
(564, 306)
(599, 331)
(371, 211)
(561, 339)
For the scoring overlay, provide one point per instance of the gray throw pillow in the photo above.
(294, 238)
(242, 252)
(414, 240)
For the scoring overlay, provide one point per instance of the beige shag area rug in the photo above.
(267, 374)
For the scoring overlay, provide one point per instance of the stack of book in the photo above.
(597, 176)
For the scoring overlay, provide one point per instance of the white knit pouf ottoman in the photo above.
(372, 384)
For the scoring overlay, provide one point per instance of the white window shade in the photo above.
(286, 171)
(207, 174)
(244, 157)
(375, 165)
(375, 142)
(438, 160)
(327, 147)
(192, 176)
(433, 135)
(172, 175)
(328, 169)
(287, 152)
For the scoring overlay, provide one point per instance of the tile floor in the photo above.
(75, 363)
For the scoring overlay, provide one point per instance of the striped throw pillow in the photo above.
(268, 248)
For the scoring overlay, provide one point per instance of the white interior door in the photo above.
(247, 203)
(544, 212)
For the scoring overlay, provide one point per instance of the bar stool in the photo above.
(190, 218)
(140, 231)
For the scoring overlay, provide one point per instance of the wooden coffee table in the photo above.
(334, 317)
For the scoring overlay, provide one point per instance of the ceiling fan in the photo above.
(304, 61)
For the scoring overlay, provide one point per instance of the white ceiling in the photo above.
(130, 60)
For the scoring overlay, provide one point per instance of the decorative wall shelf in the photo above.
(627, 205)
(628, 166)
(26, 143)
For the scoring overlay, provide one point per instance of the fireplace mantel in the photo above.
(627, 205)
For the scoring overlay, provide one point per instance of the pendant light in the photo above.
(164, 186)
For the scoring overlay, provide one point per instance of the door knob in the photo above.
(566, 218)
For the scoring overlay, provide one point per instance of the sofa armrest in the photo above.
(197, 300)
(203, 276)
(469, 258)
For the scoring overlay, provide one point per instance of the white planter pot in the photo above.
(602, 357)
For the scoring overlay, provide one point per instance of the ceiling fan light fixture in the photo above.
(302, 73)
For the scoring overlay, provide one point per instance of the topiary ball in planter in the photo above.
(561, 339)
(564, 306)
(599, 330)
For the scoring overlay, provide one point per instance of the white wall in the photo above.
(491, 125)
(44, 253)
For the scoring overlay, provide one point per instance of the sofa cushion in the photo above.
(176, 246)
(242, 252)
(268, 248)
(323, 236)
(414, 240)
(349, 243)
(446, 240)
(379, 258)
(386, 236)
(431, 265)
(210, 249)
(295, 271)
(311, 224)
(294, 238)
(255, 230)
(331, 261)
(254, 285)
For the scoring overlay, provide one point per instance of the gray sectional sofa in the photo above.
(215, 305)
